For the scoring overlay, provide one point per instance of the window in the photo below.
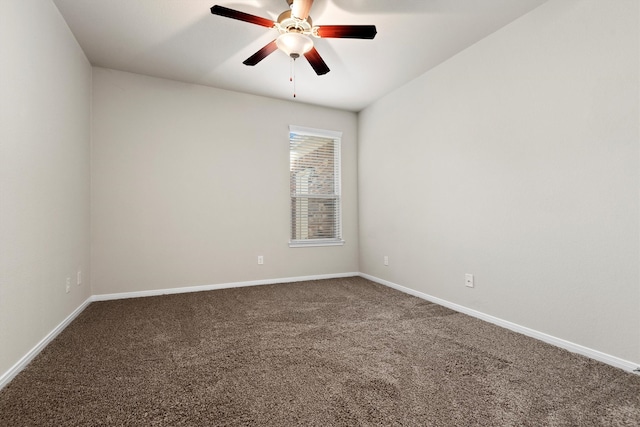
(314, 171)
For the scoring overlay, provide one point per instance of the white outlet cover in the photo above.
(468, 280)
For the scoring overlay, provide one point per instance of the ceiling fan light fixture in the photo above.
(294, 44)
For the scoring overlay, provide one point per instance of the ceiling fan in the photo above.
(296, 31)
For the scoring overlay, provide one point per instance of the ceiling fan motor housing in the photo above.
(288, 23)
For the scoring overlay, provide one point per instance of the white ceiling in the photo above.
(182, 40)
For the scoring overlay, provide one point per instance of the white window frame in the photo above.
(302, 241)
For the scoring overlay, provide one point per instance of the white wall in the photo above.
(517, 160)
(190, 184)
(45, 99)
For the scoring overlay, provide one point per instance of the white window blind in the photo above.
(314, 168)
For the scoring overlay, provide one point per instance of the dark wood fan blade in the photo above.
(316, 61)
(241, 16)
(261, 54)
(347, 31)
(300, 8)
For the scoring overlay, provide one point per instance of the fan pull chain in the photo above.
(292, 75)
(291, 69)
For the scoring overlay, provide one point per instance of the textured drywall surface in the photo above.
(45, 107)
(517, 161)
(190, 185)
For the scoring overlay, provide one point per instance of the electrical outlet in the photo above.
(79, 278)
(260, 260)
(386, 260)
(68, 286)
(468, 280)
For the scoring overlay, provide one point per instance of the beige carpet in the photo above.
(344, 352)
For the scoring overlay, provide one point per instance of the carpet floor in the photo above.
(340, 352)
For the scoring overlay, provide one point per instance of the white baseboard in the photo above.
(558, 342)
(27, 358)
(202, 288)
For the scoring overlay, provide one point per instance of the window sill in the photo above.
(314, 243)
